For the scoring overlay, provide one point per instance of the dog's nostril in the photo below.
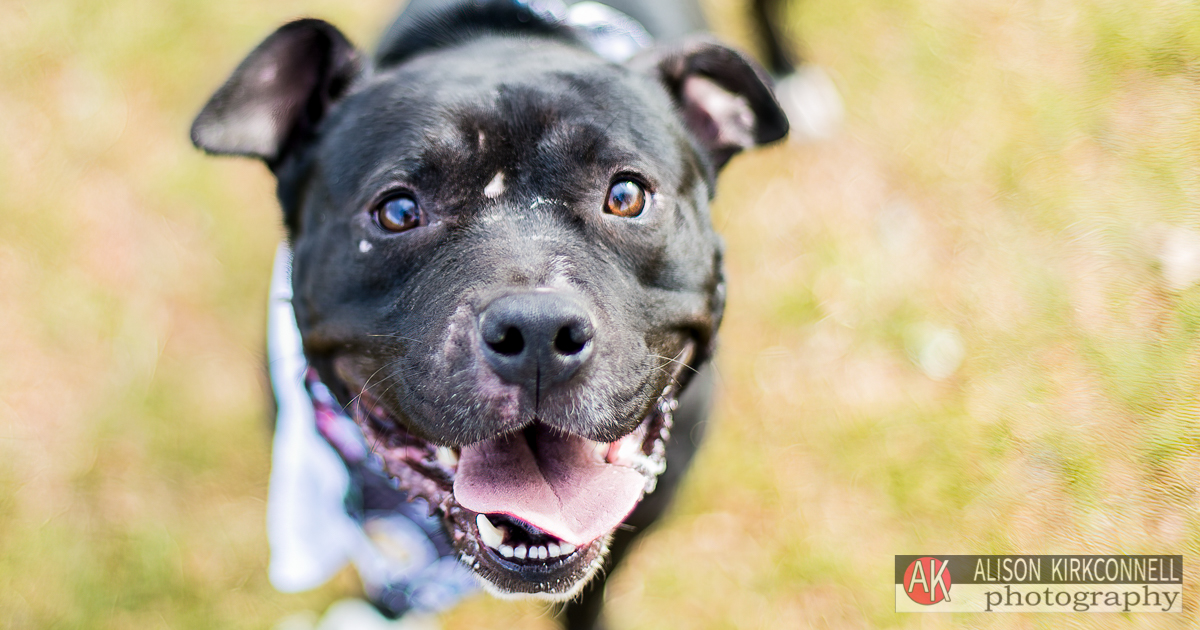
(511, 344)
(565, 343)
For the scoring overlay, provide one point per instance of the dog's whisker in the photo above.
(367, 384)
(677, 360)
(400, 337)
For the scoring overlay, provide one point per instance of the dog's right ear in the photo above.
(279, 93)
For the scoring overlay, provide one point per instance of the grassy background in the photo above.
(967, 324)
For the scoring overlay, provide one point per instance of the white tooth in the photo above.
(552, 548)
(600, 452)
(629, 450)
(542, 553)
(520, 552)
(488, 533)
(446, 456)
(506, 551)
(566, 549)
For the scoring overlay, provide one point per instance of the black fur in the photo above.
(455, 95)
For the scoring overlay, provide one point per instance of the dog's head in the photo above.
(503, 264)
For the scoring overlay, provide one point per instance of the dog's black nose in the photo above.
(536, 340)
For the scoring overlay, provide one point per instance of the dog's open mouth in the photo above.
(530, 512)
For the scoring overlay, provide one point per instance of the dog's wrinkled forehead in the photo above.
(539, 116)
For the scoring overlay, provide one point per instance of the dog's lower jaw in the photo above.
(548, 594)
(507, 584)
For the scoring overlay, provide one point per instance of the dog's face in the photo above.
(503, 265)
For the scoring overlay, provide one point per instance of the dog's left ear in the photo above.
(725, 98)
(279, 93)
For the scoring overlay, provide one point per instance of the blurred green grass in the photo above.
(967, 324)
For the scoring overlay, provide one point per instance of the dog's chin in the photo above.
(511, 555)
(554, 579)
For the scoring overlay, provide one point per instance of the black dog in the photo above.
(504, 268)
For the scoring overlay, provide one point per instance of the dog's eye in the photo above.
(625, 199)
(398, 214)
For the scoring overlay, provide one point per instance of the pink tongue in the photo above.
(561, 489)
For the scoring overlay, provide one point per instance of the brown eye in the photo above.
(398, 214)
(625, 199)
